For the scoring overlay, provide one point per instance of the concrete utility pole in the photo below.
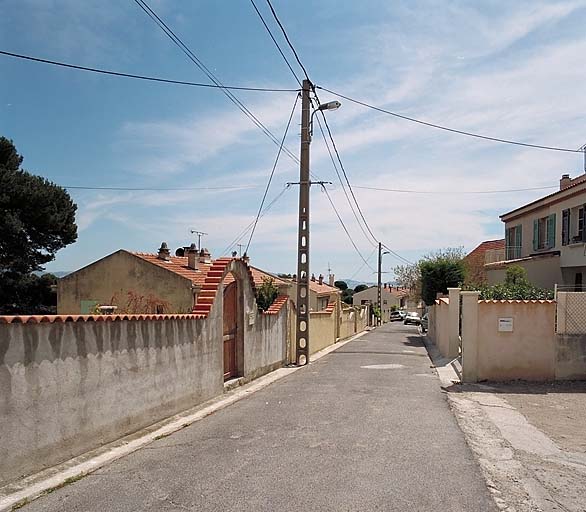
(302, 323)
(380, 311)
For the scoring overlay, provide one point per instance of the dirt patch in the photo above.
(557, 409)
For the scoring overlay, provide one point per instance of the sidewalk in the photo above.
(364, 428)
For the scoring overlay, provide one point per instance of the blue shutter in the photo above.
(535, 234)
(551, 231)
(565, 227)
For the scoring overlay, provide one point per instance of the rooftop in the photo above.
(178, 265)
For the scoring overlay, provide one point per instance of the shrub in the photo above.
(266, 293)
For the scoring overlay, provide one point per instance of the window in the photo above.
(322, 303)
(573, 224)
(544, 233)
(384, 301)
(513, 241)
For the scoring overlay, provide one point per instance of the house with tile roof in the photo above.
(484, 253)
(392, 297)
(138, 282)
(321, 294)
(547, 237)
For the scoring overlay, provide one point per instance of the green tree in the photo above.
(441, 270)
(37, 218)
(360, 288)
(347, 295)
(341, 285)
(266, 293)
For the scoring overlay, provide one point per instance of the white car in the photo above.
(412, 318)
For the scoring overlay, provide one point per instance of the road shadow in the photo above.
(520, 387)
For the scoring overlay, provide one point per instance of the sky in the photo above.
(511, 70)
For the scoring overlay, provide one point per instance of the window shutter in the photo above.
(565, 227)
(583, 221)
(535, 234)
(518, 241)
(507, 243)
(551, 231)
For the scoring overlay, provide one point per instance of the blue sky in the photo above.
(507, 69)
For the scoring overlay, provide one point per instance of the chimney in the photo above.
(205, 256)
(332, 280)
(313, 277)
(164, 253)
(565, 181)
(320, 279)
(192, 254)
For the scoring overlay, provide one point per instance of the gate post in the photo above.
(470, 336)
(454, 323)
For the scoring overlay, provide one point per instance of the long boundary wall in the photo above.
(71, 384)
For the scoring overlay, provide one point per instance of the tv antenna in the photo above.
(199, 235)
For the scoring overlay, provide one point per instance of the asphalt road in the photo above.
(364, 428)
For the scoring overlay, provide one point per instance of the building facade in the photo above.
(547, 237)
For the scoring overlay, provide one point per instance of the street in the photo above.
(364, 428)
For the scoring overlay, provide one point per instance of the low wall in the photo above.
(72, 384)
(322, 330)
(66, 388)
(493, 352)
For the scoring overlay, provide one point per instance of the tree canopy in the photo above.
(341, 285)
(360, 288)
(516, 287)
(37, 218)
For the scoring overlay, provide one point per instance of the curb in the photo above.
(19, 493)
(445, 367)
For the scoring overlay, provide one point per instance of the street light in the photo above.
(330, 105)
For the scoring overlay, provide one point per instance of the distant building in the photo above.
(392, 297)
(547, 237)
(320, 293)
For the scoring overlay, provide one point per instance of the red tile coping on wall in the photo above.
(40, 319)
(277, 305)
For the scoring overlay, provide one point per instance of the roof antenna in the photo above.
(583, 148)
(199, 235)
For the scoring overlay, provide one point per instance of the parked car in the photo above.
(403, 314)
(396, 315)
(412, 318)
(424, 324)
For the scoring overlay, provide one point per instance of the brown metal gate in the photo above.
(230, 330)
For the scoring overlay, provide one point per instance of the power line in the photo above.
(155, 189)
(287, 38)
(455, 192)
(363, 265)
(275, 41)
(397, 255)
(342, 182)
(346, 229)
(249, 226)
(272, 174)
(140, 77)
(346, 177)
(191, 56)
(445, 128)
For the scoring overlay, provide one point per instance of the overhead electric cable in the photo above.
(249, 226)
(455, 192)
(346, 177)
(363, 264)
(342, 182)
(397, 255)
(272, 174)
(140, 77)
(346, 229)
(287, 38)
(446, 128)
(276, 43)
(155, 189)
(189, 53)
